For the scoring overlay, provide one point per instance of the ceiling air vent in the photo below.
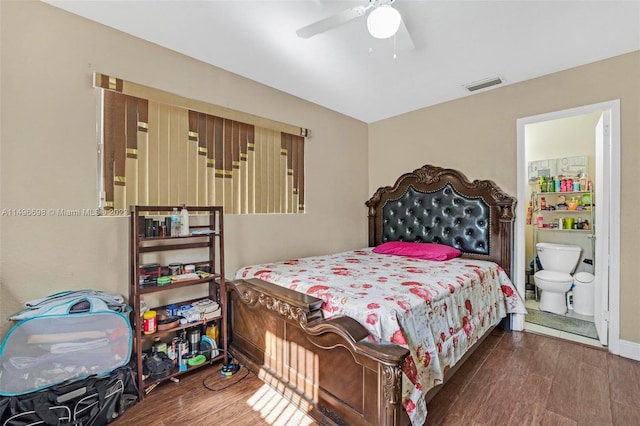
(483, 84)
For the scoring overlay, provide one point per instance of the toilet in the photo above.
(558, 262)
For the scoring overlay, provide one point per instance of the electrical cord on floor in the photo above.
(228, 371)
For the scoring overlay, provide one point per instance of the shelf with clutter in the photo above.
(551, 208)
(560, 196)
(562, 184)
(177, 264)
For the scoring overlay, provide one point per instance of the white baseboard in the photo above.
(629, 349)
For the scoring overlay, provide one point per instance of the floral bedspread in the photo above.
(436, 309)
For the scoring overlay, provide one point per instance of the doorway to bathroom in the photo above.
(579, 142)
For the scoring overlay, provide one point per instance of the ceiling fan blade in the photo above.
(402, 41)
(332, 21)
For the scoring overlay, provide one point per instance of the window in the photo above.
(155, 153)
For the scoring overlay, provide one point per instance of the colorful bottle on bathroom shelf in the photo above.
(543, 184)
(583, 182)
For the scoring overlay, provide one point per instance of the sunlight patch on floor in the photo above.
(277, 410)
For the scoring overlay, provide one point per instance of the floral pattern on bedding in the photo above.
(436, 309)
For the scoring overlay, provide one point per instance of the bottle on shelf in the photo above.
(212, 332)
(175, 222)
(583, 182)
(539, 221)
(184, 221)
(543, 203)
(543, 184)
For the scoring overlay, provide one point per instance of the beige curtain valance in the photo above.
(155, 153)
(133, 89)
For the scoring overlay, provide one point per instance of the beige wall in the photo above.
(48, 156)
(477, 134)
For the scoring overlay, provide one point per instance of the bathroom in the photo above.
(556, 148)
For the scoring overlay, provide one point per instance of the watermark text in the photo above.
(62, 212)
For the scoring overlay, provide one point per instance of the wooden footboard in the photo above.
(325, 366)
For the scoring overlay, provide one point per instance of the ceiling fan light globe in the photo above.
(383, 21)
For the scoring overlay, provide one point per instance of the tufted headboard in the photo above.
(438, 205)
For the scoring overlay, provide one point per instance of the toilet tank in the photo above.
(558, 257)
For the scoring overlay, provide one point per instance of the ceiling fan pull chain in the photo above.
(394, 47)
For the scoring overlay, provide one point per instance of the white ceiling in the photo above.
(346, 70)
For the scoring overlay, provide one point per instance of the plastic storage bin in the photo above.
(583, 293)
(57, 346)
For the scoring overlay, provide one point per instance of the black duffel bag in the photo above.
(92, 401)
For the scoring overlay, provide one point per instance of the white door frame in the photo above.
(611, 179)
(601, 243)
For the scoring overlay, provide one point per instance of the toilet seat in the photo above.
(553, 276)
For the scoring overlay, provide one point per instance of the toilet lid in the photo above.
(583, 277)
(553, 276)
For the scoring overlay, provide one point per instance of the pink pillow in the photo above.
(428, 251)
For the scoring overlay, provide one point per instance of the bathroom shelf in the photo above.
(588, 212)
(581, 231)
(556, 214)
(562, 193)
(584, 212)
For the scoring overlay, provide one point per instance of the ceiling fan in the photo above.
(383, 22)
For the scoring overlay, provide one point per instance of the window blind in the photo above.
(160, 154)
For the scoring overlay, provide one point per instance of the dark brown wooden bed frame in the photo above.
(328, 367)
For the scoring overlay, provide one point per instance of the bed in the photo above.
(365, 337)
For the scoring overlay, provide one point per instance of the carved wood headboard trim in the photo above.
(429, 181)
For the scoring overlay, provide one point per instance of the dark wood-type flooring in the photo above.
(515, 378)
